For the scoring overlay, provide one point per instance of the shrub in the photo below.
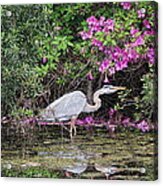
(46, 48)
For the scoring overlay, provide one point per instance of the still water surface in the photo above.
(92, 154)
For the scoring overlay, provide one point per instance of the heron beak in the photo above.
(119, 88)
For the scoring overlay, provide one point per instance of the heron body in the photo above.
(69, 106)
(106, 170)
(66, 107)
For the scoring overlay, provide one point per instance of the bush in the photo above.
(46, 48)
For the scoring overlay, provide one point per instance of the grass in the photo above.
(31, 172)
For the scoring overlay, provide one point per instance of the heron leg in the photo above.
(72, 127)
(75, 133)
(107, 176)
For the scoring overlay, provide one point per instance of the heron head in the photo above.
(109, 89)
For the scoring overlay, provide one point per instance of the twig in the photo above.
(71, 84)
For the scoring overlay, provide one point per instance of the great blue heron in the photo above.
(69, 106)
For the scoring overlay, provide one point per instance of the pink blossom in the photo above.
(92, 20)
(126, 121)
(109, 24)
(90, 76)
(133, 31)
(95, 28)
(146, 24)
(104, 65)
(106, 80)
(111, 70)
(106, 29)
(126, 5)
(101, 21)
(141, 13)
(107, 51)
(80, 122)
(44, 60)
(149, 32)
(86, 35)
(97, 43)
(132, 54)
(151, 55)
(143, 126)
(89, 120)
(112, 112)
(83, 35)
(139, 41)
(29, 120)
(120, 65)
(117, 52)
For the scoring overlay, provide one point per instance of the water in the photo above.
(93, 154)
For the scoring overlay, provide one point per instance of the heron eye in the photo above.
(105, 86)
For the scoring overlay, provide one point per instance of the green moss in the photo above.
(31, 172)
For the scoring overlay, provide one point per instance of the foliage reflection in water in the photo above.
(90, 155)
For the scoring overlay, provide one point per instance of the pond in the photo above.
(47, 151)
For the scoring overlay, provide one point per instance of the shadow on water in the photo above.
(47, 151)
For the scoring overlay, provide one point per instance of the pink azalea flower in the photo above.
(86, 35)
(83, 35)
(97, 43)
(141, 13)
(109, 24)
(151, 55)
(121, 65)
(106, 80)
(147, 32)
(106, 29)
(80, 122)
(133, 31)
(107, 51)
(139, 41)
(44, 60)
(95, 28)
(92, 20)
(117, 53)
(132, 54)
(143, 126)
(146, 24)
(104, 65)
(111, 70)
(90, 76)
(101, 21)
(126, 121)
(126, 5)
(89, 120)
(112, 112)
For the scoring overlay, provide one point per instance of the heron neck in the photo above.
(96, 100)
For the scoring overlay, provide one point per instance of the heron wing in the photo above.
(69, 105)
